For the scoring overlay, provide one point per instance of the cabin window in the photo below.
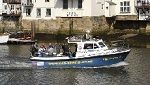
(65, 4)
(88, 46)
(125, 7)
(101, 44)
(95, 46)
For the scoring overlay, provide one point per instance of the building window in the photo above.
(28, 12)
(102, 6)
(38, 12)
(65, 4)
(29, 2)
(79, 4)
(3, 1)
(125, 7)
(5, 7)
(12, 7)
(48, 12)
(46, 0)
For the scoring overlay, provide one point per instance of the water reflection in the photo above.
(54, 76)
(4, 50)
(64, 77)
(15, 77)
(101, 76)
(81, 76)
(139, 66)
(14, 56)
(19, 51)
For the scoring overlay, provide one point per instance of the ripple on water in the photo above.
(136, 73)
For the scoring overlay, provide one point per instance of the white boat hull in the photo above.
(4, 39)
(65, 62)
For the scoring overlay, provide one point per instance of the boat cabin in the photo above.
(88, 48)
(77, 49)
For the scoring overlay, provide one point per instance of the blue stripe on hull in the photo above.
(89, 62)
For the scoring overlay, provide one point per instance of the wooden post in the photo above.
(71, 21)
(32, 30)
(71, 26)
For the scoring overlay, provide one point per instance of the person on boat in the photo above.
(34, 49)
(65, 49)
(42, 51)
(50, 49)
(87, 36)
(58, 48)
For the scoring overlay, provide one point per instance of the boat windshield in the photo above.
(101, 44)
(90, 46)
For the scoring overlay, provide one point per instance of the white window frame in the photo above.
(125, 7)
(12, 7)
(28, 14)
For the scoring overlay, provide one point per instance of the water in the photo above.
(137, 72)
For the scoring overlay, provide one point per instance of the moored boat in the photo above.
(4, 38)
(87, 53)
(20, 38)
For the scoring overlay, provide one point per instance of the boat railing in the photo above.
(121, 44)
(76, 39)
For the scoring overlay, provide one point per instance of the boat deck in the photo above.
(18, 41)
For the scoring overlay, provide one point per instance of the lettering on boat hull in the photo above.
(70, 62)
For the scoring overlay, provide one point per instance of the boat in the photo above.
(20, 41)
(4, 38)
(87, 53)
(20, 37)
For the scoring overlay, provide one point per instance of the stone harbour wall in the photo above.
(96, 25)
(64, 25)
(9, 26)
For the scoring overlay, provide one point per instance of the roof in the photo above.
(111, 3)
(12, 1)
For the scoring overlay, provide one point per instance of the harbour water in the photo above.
(15, 70)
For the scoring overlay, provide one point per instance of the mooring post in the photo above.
(32, 30)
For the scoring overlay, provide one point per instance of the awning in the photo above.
(111, 3)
